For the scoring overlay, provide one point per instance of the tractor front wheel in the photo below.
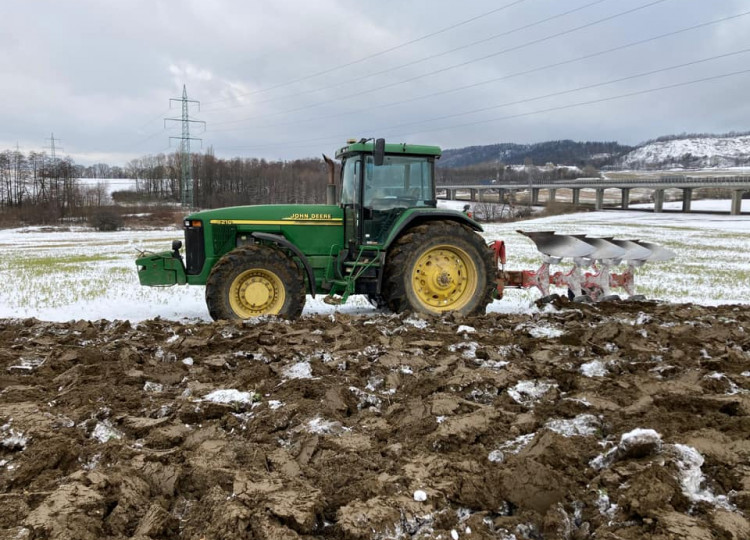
(255, 280)
(438, 267)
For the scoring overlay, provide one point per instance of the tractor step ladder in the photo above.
(342, 289)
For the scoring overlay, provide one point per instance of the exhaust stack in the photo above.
(331, 186)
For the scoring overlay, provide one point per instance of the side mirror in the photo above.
(378, 152)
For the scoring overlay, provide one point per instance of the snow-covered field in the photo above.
(82, 274)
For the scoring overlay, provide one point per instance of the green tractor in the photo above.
(385, 238)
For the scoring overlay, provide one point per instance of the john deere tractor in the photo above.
(384, 238)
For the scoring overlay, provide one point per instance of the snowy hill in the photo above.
(690, 153)
(565, 152)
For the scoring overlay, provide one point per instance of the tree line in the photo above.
(35, 188)
(224, 182)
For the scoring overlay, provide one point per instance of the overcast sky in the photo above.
(286, 79)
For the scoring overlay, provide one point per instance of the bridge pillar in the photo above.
(535, 196)
(500, 195)
(576, 196)
(551, 194)
(599, 199)
(687, 197)
(625, 198)
(473, 194)
(736, 202)
(658, 200)
(481, 193)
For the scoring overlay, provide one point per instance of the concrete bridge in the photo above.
(738, 185)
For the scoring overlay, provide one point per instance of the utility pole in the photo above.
(186, 177)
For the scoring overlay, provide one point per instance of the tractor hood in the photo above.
(272, 215)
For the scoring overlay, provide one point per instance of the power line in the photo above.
(504, 77)
(461, 64)
(424, 59)
(579, 89)
(375, 55)
(306, 143)
(589, 102)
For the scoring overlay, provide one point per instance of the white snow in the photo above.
(416, 322)
(104, 431)
(545, 331)
(321, 426)
(274, 404)
(605, 507)
(583, 425)
(469, 349)
(229, 396)
(150, 386)
(420, 496)
(707, 151)
(464, 329)
(510, 447)
(689, 461)
(627, 441)
(52, 283)
(300, 370)
(528, 392)
(638, 436)
(595, 368)
(13, 440)
(496, 456)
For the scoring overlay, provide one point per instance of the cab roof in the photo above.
(390, 148)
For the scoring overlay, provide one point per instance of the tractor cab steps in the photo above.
(341, 289)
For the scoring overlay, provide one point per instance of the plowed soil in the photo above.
(622, 420)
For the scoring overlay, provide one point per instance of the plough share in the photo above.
(599, 255)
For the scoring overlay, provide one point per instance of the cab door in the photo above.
(351, 201)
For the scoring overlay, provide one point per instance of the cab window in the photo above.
(401, 182)
(350, 180)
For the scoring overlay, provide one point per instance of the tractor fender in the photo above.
(283, 242)
(417, 217)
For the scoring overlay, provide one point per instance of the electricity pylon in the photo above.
(186, 177)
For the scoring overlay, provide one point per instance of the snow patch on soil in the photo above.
(690, 461)
(300, 370)
(639, 437)
(529, 392)
(510, 447)
(104, 431)
(595, 368)
(230, 396)
(583, 425)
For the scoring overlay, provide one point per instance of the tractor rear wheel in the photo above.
(438, 267)
(255, 280)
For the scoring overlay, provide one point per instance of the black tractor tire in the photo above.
(466, 288)
(256, 273)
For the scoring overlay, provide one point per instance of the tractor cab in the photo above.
(379, 182)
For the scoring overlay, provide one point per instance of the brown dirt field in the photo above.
(340, 426)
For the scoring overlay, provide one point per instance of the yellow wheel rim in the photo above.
(444, 278)
(256, 292)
